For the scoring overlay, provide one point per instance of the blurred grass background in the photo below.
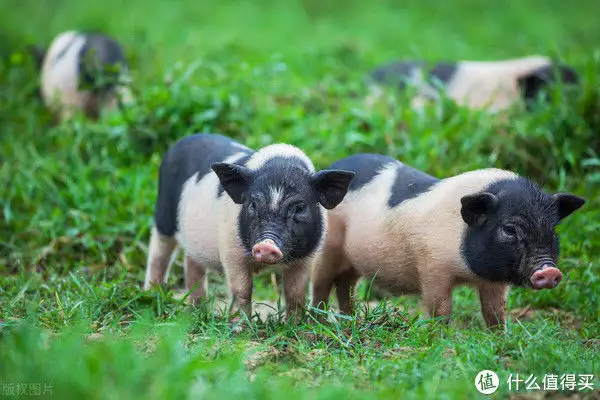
(77, 199)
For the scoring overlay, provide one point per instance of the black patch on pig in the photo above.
(101, 61)
(191, 155)
(366, 166)
(512, 236)
(398, 73)
(443, 72)
(409, 183)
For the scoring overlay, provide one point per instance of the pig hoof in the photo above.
(266, 252)
(152, 284)
(547, 277)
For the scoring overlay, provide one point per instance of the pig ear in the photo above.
(567, 203)
(476, 207)
(534, 82)
(331, 186)
(234, 178)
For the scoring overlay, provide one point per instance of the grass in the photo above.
(77, 199)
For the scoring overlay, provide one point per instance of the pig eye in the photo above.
(509, 230)
(298, 208)
(252, 206)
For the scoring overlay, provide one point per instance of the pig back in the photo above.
(187, 183)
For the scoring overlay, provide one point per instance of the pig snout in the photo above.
(547, 277)
(266, 252)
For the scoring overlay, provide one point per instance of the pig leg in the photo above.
(324, 273)
(493, 303)
(195, 274)
(295, 280)
(328, 263)
(437, 296)
(322, 283)
(239, 281)
(159, 258)
(344, 289)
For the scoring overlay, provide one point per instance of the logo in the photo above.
(487, 382)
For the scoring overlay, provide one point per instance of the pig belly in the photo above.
(199, 241)
(386, 260)
(199, 211)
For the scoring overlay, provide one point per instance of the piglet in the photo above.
(82, 72)
(495, 85)
(236, 210)
(415, 234)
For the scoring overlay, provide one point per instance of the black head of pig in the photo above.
(511, 235)
(280, 218)
(538, 80)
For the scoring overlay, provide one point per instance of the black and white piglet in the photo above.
(235, 210)
(82, 72)
(415, 234)
(494, 85)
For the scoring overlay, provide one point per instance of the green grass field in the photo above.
(77, 199)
